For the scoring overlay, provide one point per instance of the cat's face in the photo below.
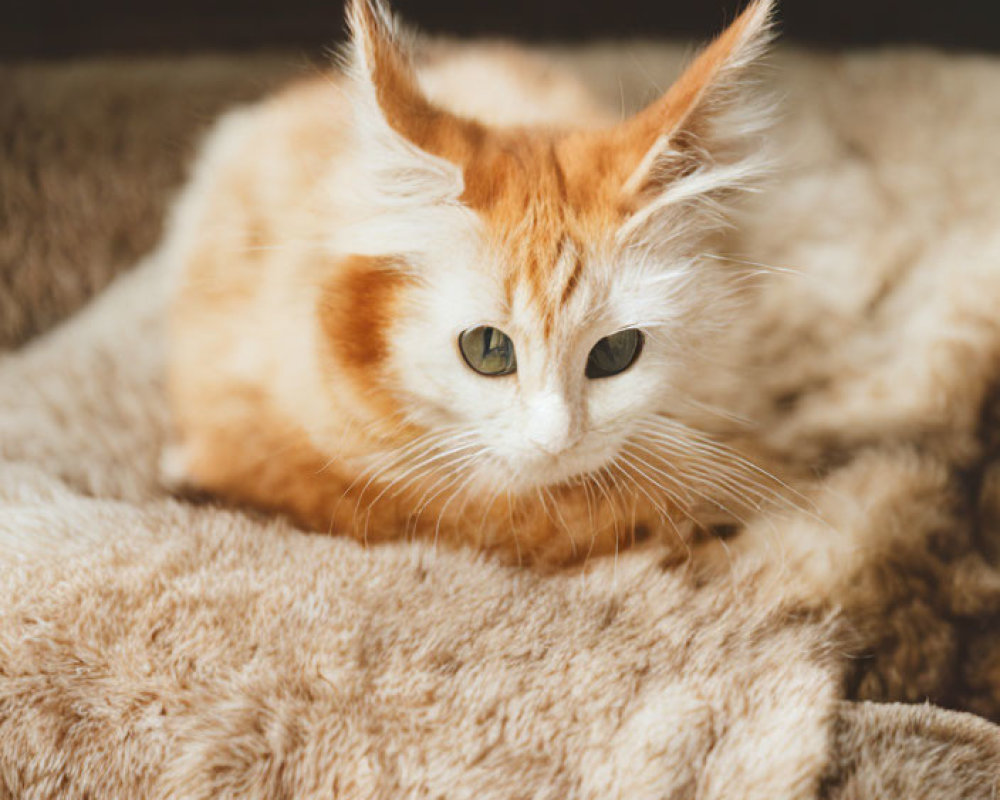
(534, 338)
(525, 302)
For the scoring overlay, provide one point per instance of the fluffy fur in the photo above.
(148, 644)
(338, 238)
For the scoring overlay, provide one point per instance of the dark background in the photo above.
(53, 28)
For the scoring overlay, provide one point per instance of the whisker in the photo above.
(769, 269)
(382, 465)
(427, 461)
(698, 441)
(707, 498)
(562, 521)
(460, 489)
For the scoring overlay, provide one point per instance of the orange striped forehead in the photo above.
(543, 199)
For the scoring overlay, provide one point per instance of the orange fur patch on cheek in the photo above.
(357, 308)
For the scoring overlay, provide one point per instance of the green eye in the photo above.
(614, 353)
(488, 351)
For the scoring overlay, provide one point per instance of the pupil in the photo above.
(495, 346)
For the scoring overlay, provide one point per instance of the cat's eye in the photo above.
(488, 351)
(614, 353)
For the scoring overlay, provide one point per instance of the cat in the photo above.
(451, 296)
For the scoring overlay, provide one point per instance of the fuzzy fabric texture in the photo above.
(91, 153)
(153, 647)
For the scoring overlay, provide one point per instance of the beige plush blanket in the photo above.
(151, 647)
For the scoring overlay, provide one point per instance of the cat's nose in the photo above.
(549, 423)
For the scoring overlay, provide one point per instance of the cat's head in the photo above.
(523, 302)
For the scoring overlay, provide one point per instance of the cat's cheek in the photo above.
(357, 310)
(616, 402)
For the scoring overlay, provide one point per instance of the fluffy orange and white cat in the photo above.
(453, 297)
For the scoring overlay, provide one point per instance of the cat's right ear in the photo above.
(417, 146)
(698, 143)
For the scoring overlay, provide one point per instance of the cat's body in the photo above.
(337, 240)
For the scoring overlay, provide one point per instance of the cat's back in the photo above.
(503, 84)
(242, 213)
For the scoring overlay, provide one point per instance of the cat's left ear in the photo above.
(697, 141)
(416, 145)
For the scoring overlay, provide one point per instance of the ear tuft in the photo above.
(380, 64)
(377, 52)
(700, 138)
(401, 135)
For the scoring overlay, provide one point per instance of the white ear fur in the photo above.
(713, 148)
(396, 172)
